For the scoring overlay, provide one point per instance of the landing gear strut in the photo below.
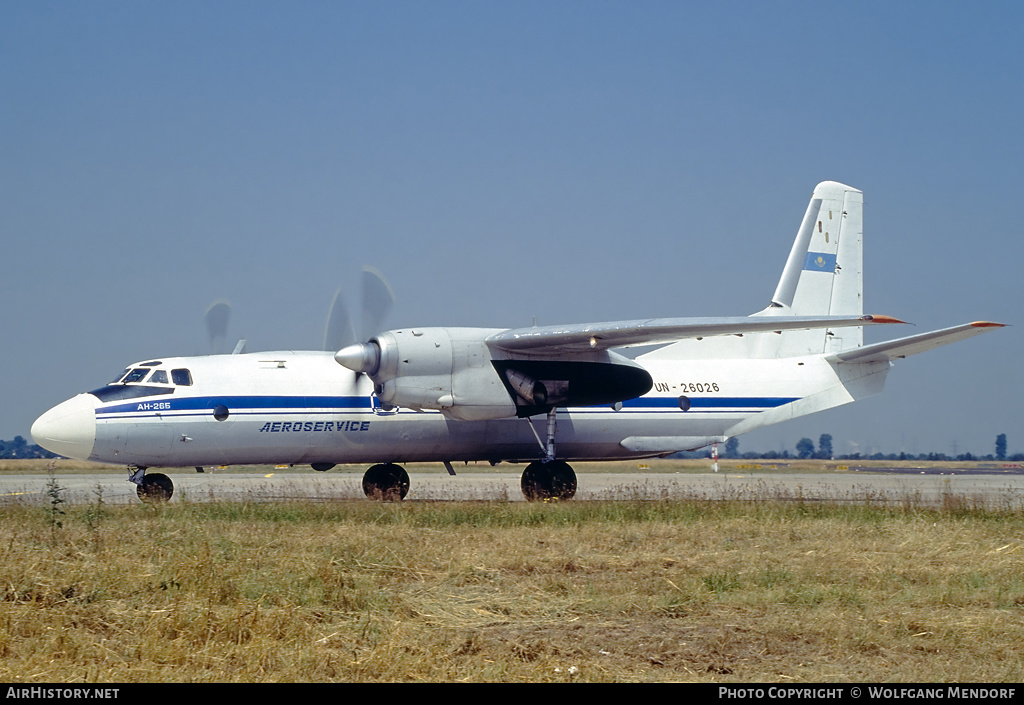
(152, 488)
(548, 478)
(386, 482)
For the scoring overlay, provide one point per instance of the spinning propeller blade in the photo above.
(378, 298)
(217, 316)
(339, 332)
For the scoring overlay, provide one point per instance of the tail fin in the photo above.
(824, 274)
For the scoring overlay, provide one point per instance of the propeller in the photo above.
(217, 316)
(378, 298)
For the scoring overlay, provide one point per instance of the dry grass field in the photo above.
(702, 591)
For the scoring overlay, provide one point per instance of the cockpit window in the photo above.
(159, 377)
(182, 377)
(136, 375)
(120, 376)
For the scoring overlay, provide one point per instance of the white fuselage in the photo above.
(302, 407)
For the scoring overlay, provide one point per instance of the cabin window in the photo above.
(182, 377)
(136, 375)
(159, 377)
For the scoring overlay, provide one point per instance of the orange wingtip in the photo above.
(882, 319)
(988, 324)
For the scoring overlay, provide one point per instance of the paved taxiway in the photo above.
(1006, 490)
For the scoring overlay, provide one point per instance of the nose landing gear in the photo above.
(152, 488)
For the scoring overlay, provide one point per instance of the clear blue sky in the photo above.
(500, 161)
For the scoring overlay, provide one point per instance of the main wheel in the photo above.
(386, 482)
(553, 479)
(155, 488)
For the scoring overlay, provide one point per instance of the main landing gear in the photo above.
(152, 488)
(548, 478)
(543, 479)
(386, 482)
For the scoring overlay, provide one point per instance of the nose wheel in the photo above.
(386, 482)
(152, 488)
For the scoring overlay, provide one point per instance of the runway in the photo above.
(1000, 490)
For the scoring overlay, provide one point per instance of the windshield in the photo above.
(136, 375)
(128, 385)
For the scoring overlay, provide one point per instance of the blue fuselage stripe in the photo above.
(709, 402)
(299, 404)
(238, 403)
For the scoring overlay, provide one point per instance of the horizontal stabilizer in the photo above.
(911, 345)
(603, 336)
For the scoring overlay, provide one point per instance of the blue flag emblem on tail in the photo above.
(820, 262)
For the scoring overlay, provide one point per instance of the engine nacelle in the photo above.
(453, 370)
(446, 369)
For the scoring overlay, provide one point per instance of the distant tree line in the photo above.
(19, 448)
(805, 449)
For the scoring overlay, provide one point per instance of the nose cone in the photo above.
(68, 429)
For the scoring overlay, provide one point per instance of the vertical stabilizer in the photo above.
(823, 274)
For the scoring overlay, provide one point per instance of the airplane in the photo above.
(543, 396)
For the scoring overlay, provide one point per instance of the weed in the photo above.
(54, 512)
(724, 581)
(94, 515)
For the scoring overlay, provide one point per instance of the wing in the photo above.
(617, 334)
(913, 344)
